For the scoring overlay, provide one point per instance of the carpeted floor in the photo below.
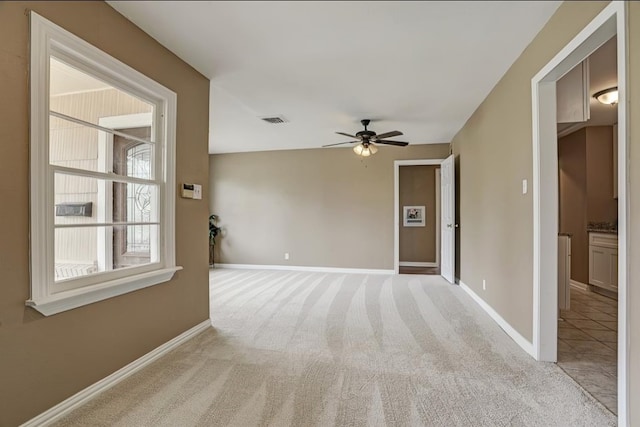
(314, 349)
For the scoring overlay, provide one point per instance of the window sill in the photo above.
(69, 300)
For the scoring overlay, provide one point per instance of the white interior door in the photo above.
(447, 223)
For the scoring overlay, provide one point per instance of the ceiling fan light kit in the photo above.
(366, 138)
(365, 150)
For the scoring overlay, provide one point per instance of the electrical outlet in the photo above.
(484, 285)
(286, 255)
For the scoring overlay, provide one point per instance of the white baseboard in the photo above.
(515, 335)
(65, 407)
(417, 264)
(578, 285)
(303, 268)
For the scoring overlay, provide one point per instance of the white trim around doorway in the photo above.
(396, 204)
(610, 22)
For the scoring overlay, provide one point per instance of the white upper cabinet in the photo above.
(572, 92)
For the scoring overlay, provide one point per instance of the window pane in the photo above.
(134, 245)
(132, 158)
(84, 251)
(135, 202)
(72, 145)
(76, 146)
(79, 95)
(77, 199)
(82, 200)
(76, 252)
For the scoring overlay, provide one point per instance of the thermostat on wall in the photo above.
(191, 191)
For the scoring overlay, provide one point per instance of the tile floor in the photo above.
(587, 344)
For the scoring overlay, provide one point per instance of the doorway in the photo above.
(419, 224)
(419, 229)
(609, 23)
(588, 217)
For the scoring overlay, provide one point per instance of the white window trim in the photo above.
(47, 37)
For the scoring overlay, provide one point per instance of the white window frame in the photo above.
(48, 298)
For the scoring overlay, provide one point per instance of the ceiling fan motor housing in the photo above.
(365, 134)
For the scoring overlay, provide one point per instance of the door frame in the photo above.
(105, 192)
(608, 23)
(396, 205)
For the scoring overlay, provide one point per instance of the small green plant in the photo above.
(214, 231)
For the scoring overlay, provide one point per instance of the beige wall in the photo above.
(325, 207)
(585, 160)
(418, 188)
(44, 360)
(494, 148)
(572, 180)
(601, 206)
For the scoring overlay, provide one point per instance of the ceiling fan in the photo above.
(366, 138)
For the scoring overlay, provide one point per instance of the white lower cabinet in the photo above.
(603, 260)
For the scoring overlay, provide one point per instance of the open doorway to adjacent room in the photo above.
(588, 224)
(424, 229)
(419, 227)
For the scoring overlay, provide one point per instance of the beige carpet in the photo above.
(313, 349)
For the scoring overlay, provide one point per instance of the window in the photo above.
(102, 174)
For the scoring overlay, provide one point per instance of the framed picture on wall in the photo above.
(413, 216)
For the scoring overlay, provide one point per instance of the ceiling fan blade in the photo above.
(388, 134)
(397, 143)
(340, 143)
(346, 134)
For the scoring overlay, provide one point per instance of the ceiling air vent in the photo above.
(274, 120)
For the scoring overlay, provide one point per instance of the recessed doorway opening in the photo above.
(424, 229)
(588, 219)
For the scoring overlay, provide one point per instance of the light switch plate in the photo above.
(524, 186)
(197, 191)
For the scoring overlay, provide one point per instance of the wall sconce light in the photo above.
(607, 96)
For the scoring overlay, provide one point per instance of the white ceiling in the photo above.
(418, 67)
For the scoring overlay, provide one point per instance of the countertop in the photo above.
(602, 230)
(602, 227)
